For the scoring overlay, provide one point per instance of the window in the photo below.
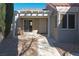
(71, 21)
(64, 21)
(68, 21)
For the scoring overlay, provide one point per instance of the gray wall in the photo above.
(68, 36)
(53, 26)
(78, 28)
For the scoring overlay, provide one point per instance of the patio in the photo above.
(38, 45)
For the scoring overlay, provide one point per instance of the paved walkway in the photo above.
(68, 49)
(40, 47)
(44, 48)
(8, 46)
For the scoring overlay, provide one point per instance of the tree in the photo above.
(8, 18)
(2, 17)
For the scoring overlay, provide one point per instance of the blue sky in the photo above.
(29, 5)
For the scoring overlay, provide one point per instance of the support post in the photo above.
(14, 24)
(49, 25)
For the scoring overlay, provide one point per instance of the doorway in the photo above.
(27, 25)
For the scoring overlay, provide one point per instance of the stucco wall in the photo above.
(54, 26)
(78, 27)
(68, 35)
(35, 24)
(40, 25)
(64, 35)
(19, 25)
(43, 26)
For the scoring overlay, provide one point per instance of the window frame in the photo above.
(67, 21)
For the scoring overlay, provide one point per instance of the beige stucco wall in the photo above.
(40, 25)
(68, 35)
(19, 26)
(20, 23)
(54, 32)
(43, 25)
(35, 24)
(64, 35)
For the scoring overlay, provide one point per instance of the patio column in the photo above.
(58, 20)
(49, 25)
(14, 24)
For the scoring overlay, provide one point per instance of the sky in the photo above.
(18, 6)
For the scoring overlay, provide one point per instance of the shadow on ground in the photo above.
(8, 46)
(65, 49)
(14, 46)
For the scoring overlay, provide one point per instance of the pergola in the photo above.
(31, 14)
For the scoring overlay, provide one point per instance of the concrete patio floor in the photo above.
(42, 47)
(36, 45)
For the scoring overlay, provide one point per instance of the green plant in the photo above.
(8, 18)
(2, 17)
(35, 11)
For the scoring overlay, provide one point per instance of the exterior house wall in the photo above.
(65, 35)
(78, 27)
(19, 25)
(68, 35)
(21, 21)
(35, 24)
(42, 25)
(39, 24)
(54, 26)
